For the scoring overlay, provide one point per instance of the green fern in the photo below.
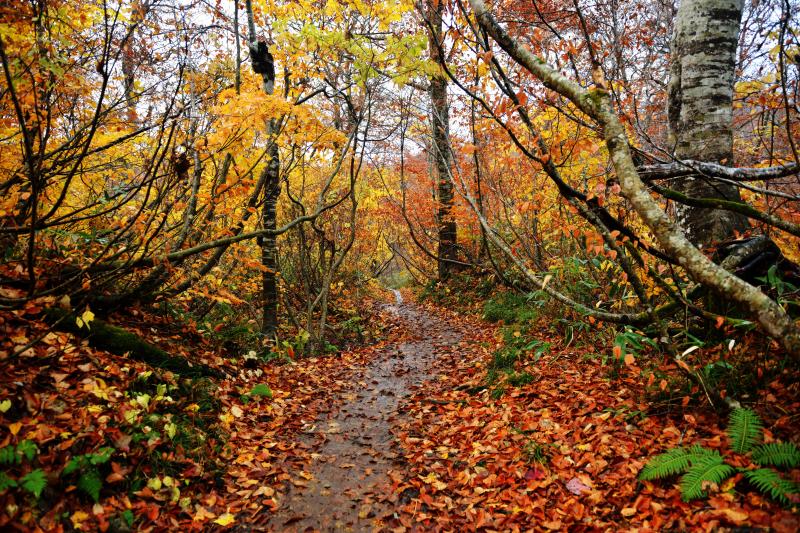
(701, 466)
(8, 455)
(744, 429)
(7, 482)
(770, 482)
(780, 454)
(91, 483)
(706, 469)
(673, 462)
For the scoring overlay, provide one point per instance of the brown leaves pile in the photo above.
(561, 453)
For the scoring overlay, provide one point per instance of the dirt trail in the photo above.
(352, 447)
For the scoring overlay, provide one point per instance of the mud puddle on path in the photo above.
(352, 447)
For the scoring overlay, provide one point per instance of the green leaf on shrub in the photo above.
(34, 482)
(28, 449)
(8, 455)
(102, 456)
(6, 482)
(76, 463)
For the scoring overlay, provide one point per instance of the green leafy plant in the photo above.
(673, 462)
(536, 452)
(512, 308)
(770, 482)
(709, 468)
(34, 481)
(781, 287)
(89, 480)
(261, 390)
(744, 429)
(7, 482)
(519, 379)
(12, 455)
(778, 454)
(701, 466)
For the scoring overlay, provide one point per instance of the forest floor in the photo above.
(402, 434)
(349, 483)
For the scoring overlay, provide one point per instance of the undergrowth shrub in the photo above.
(701, 467)
(518, 348)
(512, 308)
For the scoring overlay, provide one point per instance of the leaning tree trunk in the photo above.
(263, 64)
(700, 110)
(596, 103)
(440, 119)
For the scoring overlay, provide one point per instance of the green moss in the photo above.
(104, 336)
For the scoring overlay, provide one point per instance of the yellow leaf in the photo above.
(14, 428)
(734, 515)
(84, 319)
(430, 478)
(225, 519)
(202, 514)
(629, 360)
(78, 517)
(5, 405)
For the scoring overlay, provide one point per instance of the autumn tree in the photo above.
(596, 105)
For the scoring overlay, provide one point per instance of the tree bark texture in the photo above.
(440, 128)
(700, 111)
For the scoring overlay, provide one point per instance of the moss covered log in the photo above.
(113, 339)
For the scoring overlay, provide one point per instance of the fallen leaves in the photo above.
(225, 519)
(560, 453)
(576, 486)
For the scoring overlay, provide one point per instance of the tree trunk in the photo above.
(269, 245)
(700, 110)
(440, 119)
(596, 104)
(263, 65)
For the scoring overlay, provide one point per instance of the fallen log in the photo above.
(119, 341)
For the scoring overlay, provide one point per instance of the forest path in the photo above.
(353, 447)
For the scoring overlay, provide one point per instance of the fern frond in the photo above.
(771, 483)
(696, 451)
(708, 469)
(674, 461)
(669, 463)
(744, 429)
(780, 454)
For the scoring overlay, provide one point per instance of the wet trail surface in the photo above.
(352, 447)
